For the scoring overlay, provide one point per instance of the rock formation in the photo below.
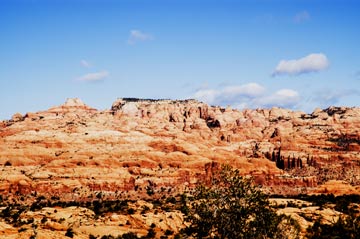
(142, 147)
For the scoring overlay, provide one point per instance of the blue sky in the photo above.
(297, 54)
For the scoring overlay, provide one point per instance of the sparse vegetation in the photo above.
(348, 227)
(232, 207)
(69, 233)
(344, 141)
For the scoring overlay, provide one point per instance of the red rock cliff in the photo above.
(74, 150)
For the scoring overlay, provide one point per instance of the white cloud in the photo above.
(138, 36)
(229, 94)
(301, 17)
(285, 98)
(92, 77)
(311, 63)
(85, 63)
(207, 95)
(248, 90)
(250, 95)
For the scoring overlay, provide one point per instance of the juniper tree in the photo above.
(233, 207)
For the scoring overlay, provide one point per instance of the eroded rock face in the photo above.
(140, 147)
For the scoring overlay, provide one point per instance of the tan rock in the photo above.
(17, 117)
(73, 149)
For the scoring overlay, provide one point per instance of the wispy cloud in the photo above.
(302, 16)
(326, 97)
(92, 77)
(252, 95)
(85, 63)
(311, 63)
(138, 36)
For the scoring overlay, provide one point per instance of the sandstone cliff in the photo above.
(142, 147)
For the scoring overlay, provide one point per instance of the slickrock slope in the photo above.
(141, 147)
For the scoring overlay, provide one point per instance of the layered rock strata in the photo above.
(146, 147)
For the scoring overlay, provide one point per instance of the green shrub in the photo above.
(348, 228)
(232, 207)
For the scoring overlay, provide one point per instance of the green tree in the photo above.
(232, 207)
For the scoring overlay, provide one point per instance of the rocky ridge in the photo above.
(142, 147)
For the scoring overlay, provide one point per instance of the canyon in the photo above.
(143, 149)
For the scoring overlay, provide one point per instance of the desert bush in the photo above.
(232, 207)
(168, 232)
(69, 233)
(151, 234)
(348, 227)
(131, 211)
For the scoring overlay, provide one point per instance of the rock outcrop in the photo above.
(142, 147)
